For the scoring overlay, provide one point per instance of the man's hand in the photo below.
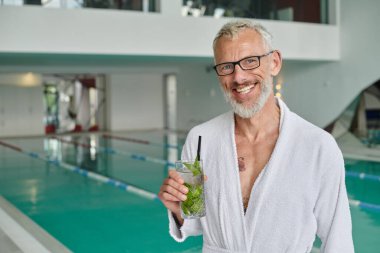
(172, 192)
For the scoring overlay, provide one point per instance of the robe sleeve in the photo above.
(332, 208)
(190, 227)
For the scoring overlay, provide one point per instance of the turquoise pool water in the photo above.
(365, 222)
(89, 216)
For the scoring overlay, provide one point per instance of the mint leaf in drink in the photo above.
(194, 168)
(189, 166)
(194, 202)
(197, 206)
(185, 209)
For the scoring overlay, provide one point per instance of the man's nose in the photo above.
(239, 74)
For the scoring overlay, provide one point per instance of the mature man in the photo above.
(274, 180)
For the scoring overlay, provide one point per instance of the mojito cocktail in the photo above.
(192, 174)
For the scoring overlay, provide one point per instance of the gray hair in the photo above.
(232, 29)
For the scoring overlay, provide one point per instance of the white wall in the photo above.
(135, 101)
(21, 111)
(92, 31)
(199, 96)
(320, 91)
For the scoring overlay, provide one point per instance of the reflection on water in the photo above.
(81, 151)
(171, 144)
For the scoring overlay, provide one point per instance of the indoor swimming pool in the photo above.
(87, 215)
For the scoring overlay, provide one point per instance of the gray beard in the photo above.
(250, 111)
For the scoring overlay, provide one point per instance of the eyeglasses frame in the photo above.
(239, 61)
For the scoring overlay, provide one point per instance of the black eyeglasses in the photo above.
(247, 63)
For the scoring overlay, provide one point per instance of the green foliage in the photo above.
(194, 203)
(194, 167)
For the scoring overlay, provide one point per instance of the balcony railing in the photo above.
(311, 11)
(135, 5)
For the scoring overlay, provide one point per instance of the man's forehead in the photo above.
(247, 42)
(246, 35)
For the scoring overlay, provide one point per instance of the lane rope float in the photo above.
(145, 142)
(85, 173)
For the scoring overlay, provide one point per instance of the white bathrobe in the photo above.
(300, 193)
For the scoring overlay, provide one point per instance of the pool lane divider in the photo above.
(133, 156)
(140, 157)
(95, 176)
(363, 176)
(144, 142)
(13, 147)
(364, 205)
(131, 188)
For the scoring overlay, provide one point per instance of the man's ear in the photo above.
(276, 62)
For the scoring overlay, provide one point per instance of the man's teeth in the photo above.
(245, 89)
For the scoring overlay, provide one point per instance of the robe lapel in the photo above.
(234, 182)
(255, 209)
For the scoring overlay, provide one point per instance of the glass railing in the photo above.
(134, 5)
(311, 11)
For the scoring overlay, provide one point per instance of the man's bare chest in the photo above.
(252, 159)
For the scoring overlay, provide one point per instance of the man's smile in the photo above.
(244, 89)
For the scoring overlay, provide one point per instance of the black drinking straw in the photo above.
(199, 148)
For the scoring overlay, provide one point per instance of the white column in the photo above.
(170, 7)
(101, 109)
(82, 103)
(145, 5)
(333, 9)
(171, 114)
(170, 101)
(63, 4)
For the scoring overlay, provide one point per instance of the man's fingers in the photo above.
(167, 196)
(174, 175)
(180, 187)
(174, 192)
(170, 194)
